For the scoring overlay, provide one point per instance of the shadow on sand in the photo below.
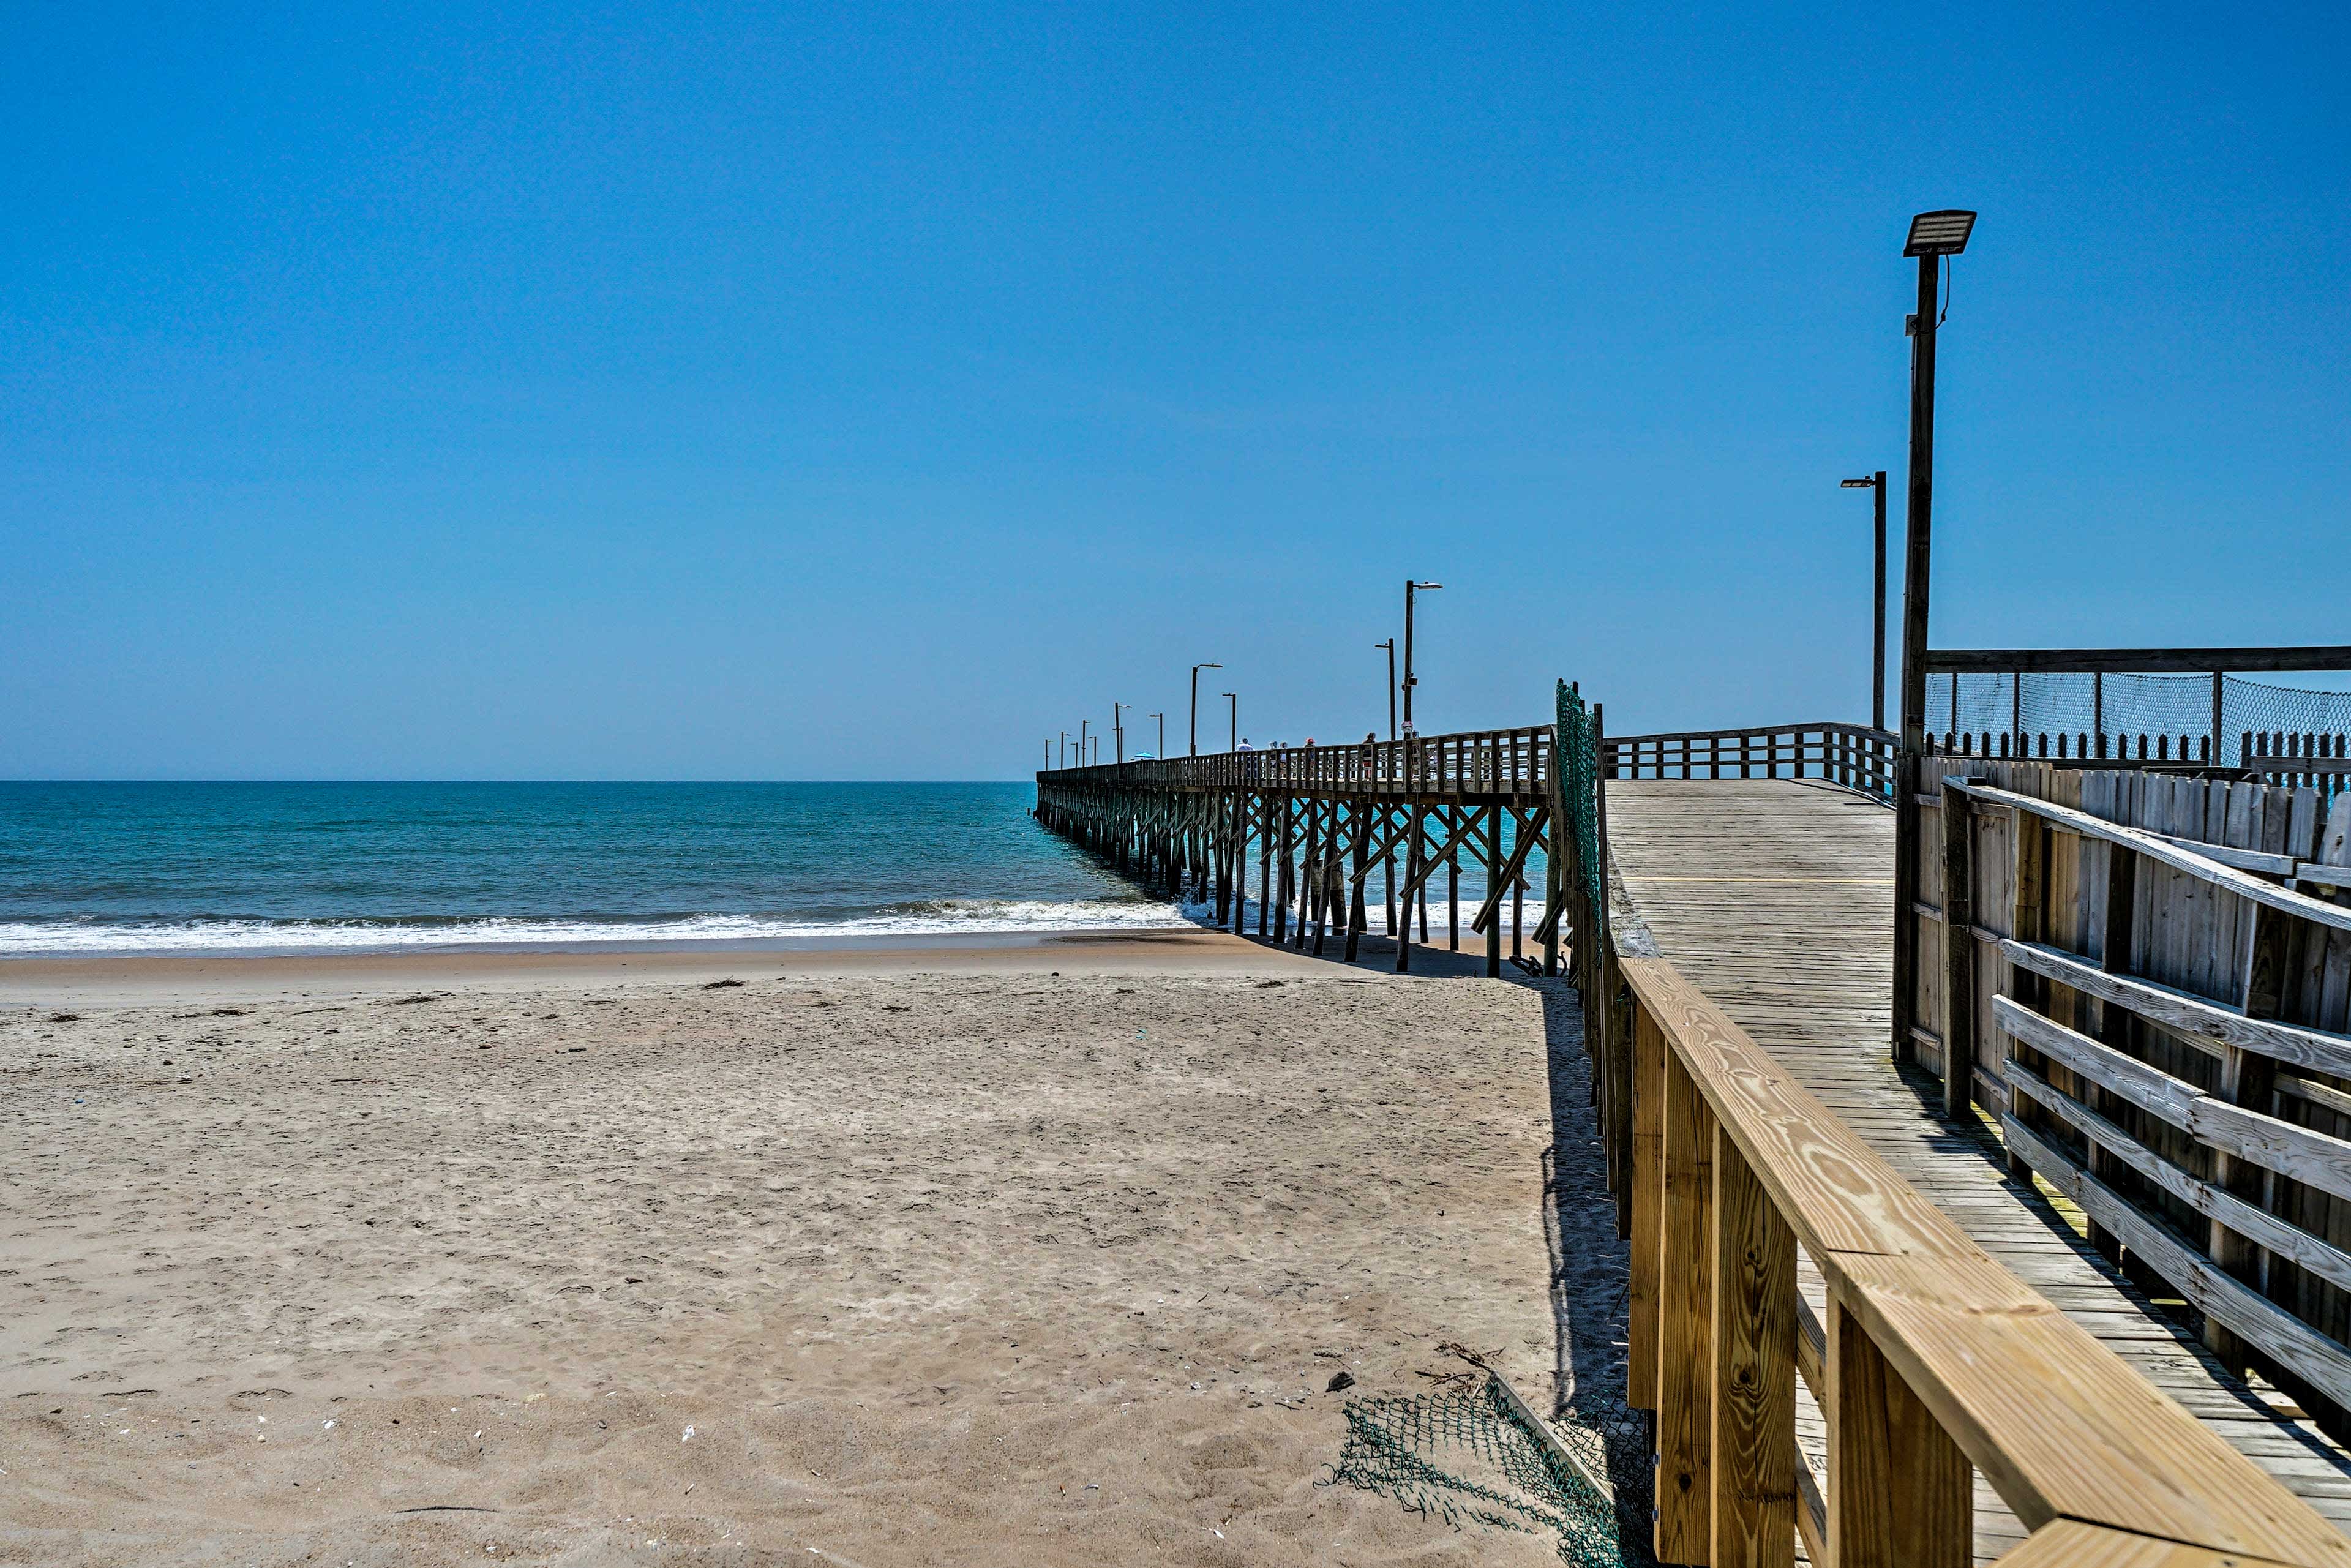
(1590, 1267)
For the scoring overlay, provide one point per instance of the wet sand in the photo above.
(875, 1257)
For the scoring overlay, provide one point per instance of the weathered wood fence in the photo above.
(2146, 978)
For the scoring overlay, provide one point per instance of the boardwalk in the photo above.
(1775, 898)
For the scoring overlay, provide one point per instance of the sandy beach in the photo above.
(1043, 1253)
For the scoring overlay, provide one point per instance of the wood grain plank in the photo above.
(1752, 1450)
(1685, 1325)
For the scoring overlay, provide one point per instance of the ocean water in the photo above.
(248, 867)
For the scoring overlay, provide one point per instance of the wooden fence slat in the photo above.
(1959, 953)
(1901, 1494)
(2214, 1203)
(1648, 1091)
(1752, 1452)
(2290, 1150)
(1685, 1486)
(2294, 1343)
(2201, 1022)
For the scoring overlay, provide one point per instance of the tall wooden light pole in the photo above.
(1390, 646)
(1410, 680)
(1933, 236)
(1196, 704)
(1875, 482)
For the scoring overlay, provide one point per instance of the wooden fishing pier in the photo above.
(1316, 821)
(1978, 1110)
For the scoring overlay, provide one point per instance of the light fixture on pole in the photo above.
(1065, 748)
(1876, 482)
(1196, 704)
(1118, 732)
(1410, 680)
(1162, 718)
(1234, 697)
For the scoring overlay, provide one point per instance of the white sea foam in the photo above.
(941, 917)
(929, 917)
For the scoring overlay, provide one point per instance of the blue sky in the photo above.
(858, 392)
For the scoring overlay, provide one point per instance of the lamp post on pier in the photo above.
(1082, 742)
(1410, 680)
(1118, 732)
(1235, 743)
(1065, 748)
(1161, 752)
(1875, 482)
(1934, 236)
(1390, 646)
(1196, 704)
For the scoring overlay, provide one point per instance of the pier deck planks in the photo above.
(1776, 899)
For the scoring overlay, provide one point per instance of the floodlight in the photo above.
(1856, 484)
(1939, 234)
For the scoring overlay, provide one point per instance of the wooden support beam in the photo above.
(1686, 1324)
(1900, 1492)
(1452, 881)
(1959, 956)
(1648, 1158)
(2131, 661)
(1528, 837)
(1414, 871)
(2246, 1078)
(1752, 1447)
(1457, 833)
(1494, 894)
(1355, 908)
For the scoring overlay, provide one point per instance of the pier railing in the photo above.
(1931, 1361)
(1852, 755)
(1474, 762)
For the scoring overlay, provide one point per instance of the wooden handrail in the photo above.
(1824, 727)
(1471, 762)
(1852, 756)
(2167, 851)
(1934, 1357)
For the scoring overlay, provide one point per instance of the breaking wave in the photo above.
(926, 917)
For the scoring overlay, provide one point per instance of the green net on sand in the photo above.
(1466, 1453)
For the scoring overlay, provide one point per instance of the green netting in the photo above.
(1465, 1455)
(1578, 769)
